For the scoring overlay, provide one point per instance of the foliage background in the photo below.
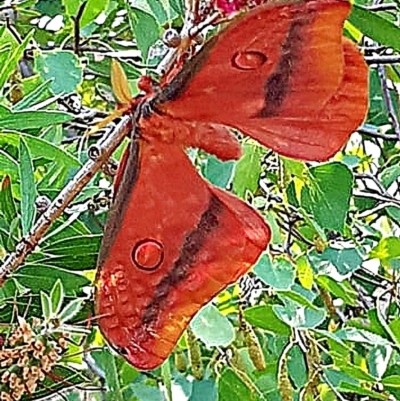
(319, 316)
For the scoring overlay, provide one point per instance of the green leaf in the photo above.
(8, 165)
(377, 113)
(389, 175)
(342, 290)
(298, 316)
(357, 389)
(279, 273)
(163, 11)
(62, 67)
(24, 120)
(28, 188)
(166, 378)
(305, 272)
(38, 148)
(106, 362)
(394, 326)
(360, 336)
(337, 378)
(327, 194)
(143, 392)
(386, 250)
(92, 10)
(71, 310)
(277, 237)
(74, 253)
(41, 277)
(49, 8)
(217, 172)
(71, 7)
(145, 29)
(393, 212)
(181, 388)
(265, 318)
(248, 169)
(297, 298)
(36, 95)
(344, 261)
(213, 328)
(378, 360)
(231, 387)
(297, 367)
(370, 322)
(354, 371)
(46, 306)
(376, 27)
(177, 6)
(57, 297)
(204, 390)
(11, 63)
(7, 204)
(391, 381)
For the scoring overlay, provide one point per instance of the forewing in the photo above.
(172, 243)
(279, 68)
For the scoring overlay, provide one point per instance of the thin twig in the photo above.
(376, 209)
(366, 176)
(77, 27)
(383, 59)
(105, 148)
(378, 197)
(388, 100)
(382, 7)
(381, 318)
(376, 134)
(190, 31)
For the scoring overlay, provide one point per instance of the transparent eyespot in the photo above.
(148, 254)
(248, 60)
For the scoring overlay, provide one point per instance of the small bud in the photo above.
(198, 39)
(5, 396)
(31, 385)
(171, 38)
(25, 373)
(42, 203)
(63, 343)
(5, 377)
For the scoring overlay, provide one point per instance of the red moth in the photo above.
(282, 74)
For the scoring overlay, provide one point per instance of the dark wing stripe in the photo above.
(277, 86)
(192, 245)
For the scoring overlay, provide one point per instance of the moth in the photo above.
(282, 74)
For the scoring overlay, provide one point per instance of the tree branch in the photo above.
(104, 150)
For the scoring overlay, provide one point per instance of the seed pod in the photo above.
(180, 361)
(194, 355)
(252, 343)
(284, 384)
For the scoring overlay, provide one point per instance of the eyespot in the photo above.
(148, 254)
(248, 60)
